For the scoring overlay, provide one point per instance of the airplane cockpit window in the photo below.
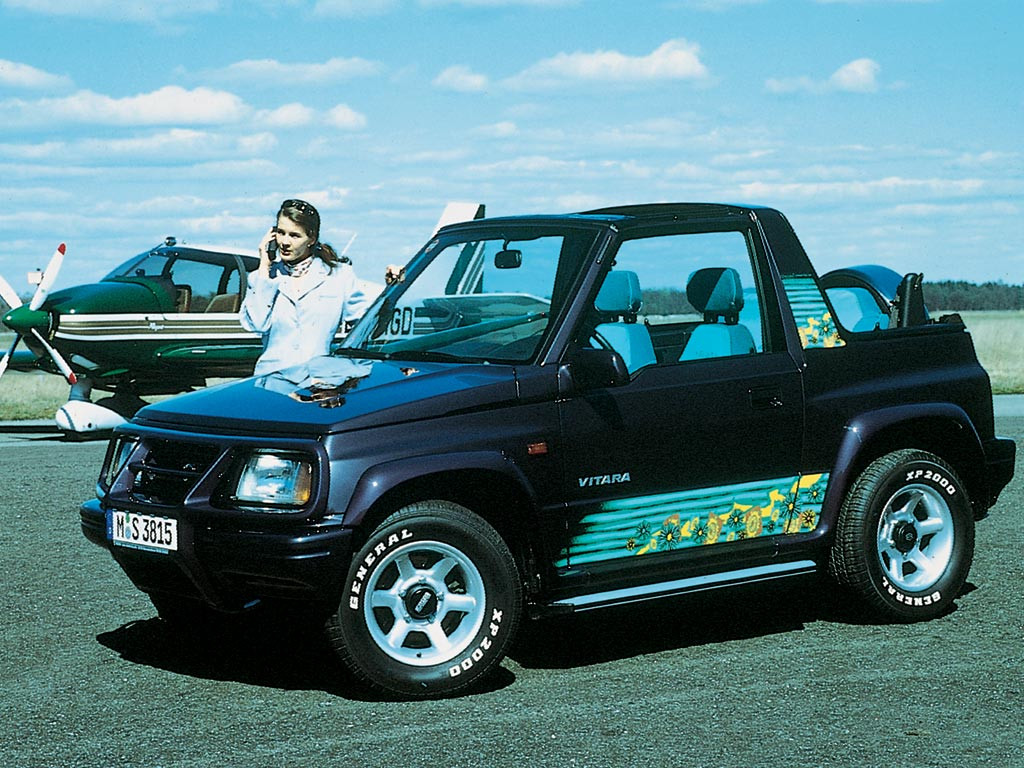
(193, 281)
(197, 283)
(153, 265)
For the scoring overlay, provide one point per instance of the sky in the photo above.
(888, 131)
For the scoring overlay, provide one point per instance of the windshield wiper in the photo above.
(419, 355)
(372, 354)
(425, 356)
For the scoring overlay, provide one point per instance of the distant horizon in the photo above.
(887, 131)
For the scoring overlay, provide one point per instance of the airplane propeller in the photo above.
(38, 298)
(8, 294)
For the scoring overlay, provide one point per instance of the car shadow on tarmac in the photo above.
(707, 618)
(251, 653)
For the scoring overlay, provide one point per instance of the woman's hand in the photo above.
(264, 268)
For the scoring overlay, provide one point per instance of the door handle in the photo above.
(766, 398)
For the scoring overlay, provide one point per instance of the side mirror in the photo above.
(595, 368)
(508, 259)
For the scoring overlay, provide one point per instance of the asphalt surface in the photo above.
(779, 677)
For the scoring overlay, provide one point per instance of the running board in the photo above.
(683, 586)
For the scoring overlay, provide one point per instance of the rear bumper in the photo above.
(230, 569)
(1000, 456)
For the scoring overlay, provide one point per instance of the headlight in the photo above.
(117, 456)
(274, 479)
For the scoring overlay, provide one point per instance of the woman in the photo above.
(300, 293)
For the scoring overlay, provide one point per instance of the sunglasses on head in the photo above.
(300, 205)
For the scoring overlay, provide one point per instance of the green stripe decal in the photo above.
(671, 521)
(813, 320)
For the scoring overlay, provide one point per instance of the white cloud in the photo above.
(718, 5)
(497, 3)
(869, 2)
(989, 159)
(136, 10)
(251, 168)
(168, 105)
(256, 143)
(461, 79)
(686, 170)
(742, 158)
(286, 116)
(870, 189)
(676, 59)
(16, 75)
(174, 145)
(353, 7)
(329, 198)
(949, 211)
(346, 118)
(502, 130)
(40, 151)
(858, 76)
(430, 156)
(536, 164)
(271, 70)
(177, 142)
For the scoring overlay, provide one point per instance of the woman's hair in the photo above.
(307, 217)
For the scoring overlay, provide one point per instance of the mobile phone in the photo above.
(272, 249)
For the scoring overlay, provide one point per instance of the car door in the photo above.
(698, 455)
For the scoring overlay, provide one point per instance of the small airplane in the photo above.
(162, 322)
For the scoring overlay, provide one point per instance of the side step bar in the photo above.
(682, 586)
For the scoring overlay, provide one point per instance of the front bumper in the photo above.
(230, 567)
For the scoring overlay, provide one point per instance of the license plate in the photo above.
(130, 529)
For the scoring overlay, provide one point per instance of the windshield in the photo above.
(487, 300)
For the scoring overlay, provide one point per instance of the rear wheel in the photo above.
(905, 536)
(430, 604)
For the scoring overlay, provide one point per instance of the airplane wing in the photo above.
(21, 360)
(207, 354)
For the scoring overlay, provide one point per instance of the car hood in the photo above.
(331, 395)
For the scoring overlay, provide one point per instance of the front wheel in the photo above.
(431, 602)
(905, 536)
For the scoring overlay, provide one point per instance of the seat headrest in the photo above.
(620, 294)
(716, 292)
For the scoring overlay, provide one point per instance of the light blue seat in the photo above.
(717, 294)
(618, 302)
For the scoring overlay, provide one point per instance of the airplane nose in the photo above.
(23, 320)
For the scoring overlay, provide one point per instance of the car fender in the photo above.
(864, 435)
(381, 479)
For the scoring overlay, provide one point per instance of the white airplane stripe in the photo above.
(163, 337)
(160, 335)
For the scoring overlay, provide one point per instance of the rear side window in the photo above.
(857, 310)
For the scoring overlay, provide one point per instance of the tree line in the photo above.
(945, 295)
(961, 296)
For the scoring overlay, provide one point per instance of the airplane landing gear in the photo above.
(79, 417)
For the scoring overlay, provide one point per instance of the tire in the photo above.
(905, 537)
(431, 603)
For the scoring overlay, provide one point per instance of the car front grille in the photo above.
(168, 470)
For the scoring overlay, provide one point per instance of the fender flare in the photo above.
(861, 430)
(382, 478)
